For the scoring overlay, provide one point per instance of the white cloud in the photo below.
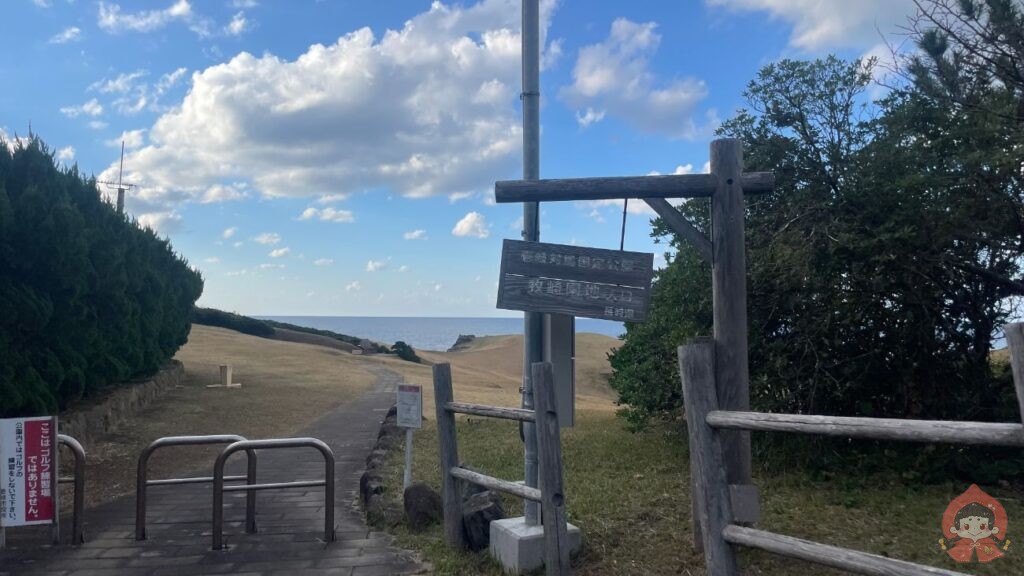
(238, 25)
(111, 19)
(13, 141)
(90, 108)
(224, 193)
(415, 235)
(162, 222)
(279, 252)
(327, 214)
(70, 34)
(97, 124)
(329, 198)
(66, 154)
(323, 262)
(614, 76)
(229, 232)
(243, 4)
(268, 238)
(353, 286)
(589, 117)
(376, 265)
(271, 266)
(212, 260)
(132, 139)
(414, 111)
(473, 224)
(238, 244)
(42, 3)
(403, 268)
(133, 93)
(820, 25)
(456, 196)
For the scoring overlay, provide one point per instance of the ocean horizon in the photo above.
(431, 333)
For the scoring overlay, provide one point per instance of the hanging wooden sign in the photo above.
(573, 280)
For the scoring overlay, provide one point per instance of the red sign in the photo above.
(28, 455)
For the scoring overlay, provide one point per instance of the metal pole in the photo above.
(533, 322)
(407, 477)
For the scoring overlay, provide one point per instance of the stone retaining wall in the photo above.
(102, 416)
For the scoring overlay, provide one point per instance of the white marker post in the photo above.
(410, 416)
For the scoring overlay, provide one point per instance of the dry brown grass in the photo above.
(285, 386)
(489, 371)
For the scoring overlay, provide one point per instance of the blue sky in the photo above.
(338, 157)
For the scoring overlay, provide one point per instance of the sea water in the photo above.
(431, 333)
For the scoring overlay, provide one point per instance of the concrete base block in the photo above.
(520, 548)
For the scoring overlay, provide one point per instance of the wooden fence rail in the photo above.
(551, 493)
(712, 503)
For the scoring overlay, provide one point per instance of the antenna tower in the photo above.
(120, 186)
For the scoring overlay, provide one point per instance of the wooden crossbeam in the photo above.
(681, 226)
(618, 187)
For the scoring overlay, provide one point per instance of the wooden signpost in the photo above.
(725, 186)
(576, 281)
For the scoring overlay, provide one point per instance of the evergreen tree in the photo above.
(88, 298)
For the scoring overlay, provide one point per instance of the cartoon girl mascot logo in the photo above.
(974, 527)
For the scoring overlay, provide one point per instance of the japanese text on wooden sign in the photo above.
(410, 406)
(28, 454)
(590, 282)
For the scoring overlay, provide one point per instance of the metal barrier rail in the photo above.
(78, 511)
(141, 482)
(250, 445)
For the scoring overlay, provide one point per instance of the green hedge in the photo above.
(88, 298)
(231, 321)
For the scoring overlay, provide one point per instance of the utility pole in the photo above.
(533, 322)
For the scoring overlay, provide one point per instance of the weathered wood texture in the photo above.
(492, 483)
(1015, 340)
(556, 537)
(618, 187)
(729, 292)
(943, 431)
(681, 226)
(707, 471)
(850, 560)
(450, 490)
(575, 281)
(491, 411)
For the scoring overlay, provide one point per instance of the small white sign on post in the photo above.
(410, 406)
(28, 472)
(410, 417)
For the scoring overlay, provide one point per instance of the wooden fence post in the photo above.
(556, 538)
(729, 294)
(710, 485)
(1015, 340)
(447, 443)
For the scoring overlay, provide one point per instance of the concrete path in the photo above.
(290, 534)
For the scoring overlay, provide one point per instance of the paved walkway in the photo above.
(290, 522)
